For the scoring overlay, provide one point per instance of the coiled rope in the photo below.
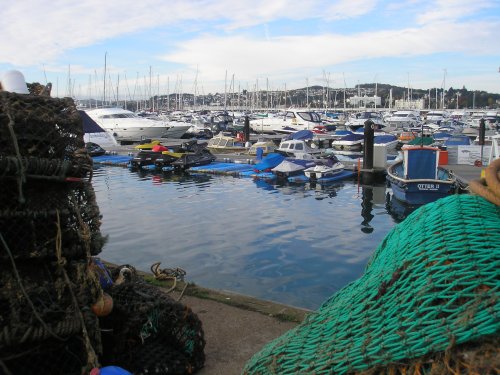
(489, 186)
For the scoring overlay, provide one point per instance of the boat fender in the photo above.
(103, 306)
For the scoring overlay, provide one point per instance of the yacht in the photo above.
(126, 126)
(403, 119)
(292, 121)
(436, 117)
(357, 121)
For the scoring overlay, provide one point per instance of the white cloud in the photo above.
(447, 10)
(37, 32)
(250, 58)
(345, 9)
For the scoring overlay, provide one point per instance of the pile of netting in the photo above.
(428, 302)
(51, 286)
(49, 228)
(148, 332)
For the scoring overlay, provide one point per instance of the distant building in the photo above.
(365, 101)
(418, 104)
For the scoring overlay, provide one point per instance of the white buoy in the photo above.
(13, 81)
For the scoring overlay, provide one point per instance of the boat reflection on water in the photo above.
(397, 209)
(172, 177)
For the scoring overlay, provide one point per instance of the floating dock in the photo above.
(118, 160)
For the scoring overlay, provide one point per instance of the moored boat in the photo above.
(326, 167)
(224, 144)
(292, 167)
(417, 178)
(188, 160)
(126, 126)
(292, 121)
(351, 142)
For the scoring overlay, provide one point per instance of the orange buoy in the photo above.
(103, 306)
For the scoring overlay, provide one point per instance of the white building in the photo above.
(365, 101)
(418, 104)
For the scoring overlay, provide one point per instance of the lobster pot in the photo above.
(31, 229)
(55, 301)
(149, 332)
(68, 356)
(41, 127)
(49, 228)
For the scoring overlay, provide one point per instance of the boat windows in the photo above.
(285, 145)
(118, 115)
(299, 146)
(309, 116)
(290, 115)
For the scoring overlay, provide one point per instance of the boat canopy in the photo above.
(300, 135)
(269, 162)
(352, 137)
(421, 163)
(386, 138)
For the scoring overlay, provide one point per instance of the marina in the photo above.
(333, 242)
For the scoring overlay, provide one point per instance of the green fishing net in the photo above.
(432, 282)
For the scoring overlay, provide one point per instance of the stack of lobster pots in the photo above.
(49, 229)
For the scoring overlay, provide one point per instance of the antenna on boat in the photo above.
(421, 133)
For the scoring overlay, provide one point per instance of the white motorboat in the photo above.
(325, 168)
(93, 133)
(176, 129)
(126, 126)
(358, 120)
(436, 117)
(292, 121)
(292, 167)
(403, 119)
(351, 142)
(390, 141)
(299, 148)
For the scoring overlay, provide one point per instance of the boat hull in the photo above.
(421, 192)
(314, 175)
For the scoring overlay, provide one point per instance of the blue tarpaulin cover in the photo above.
(269, 162)
(421, 163)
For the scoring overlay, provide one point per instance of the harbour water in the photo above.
(291, 243)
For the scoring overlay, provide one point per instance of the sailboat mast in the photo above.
(104, 88)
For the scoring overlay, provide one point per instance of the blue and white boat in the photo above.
(351, 142)
(417, 178)
(390, 141)
(326, 167)
(292, 167)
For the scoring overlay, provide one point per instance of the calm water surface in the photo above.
(291, 243)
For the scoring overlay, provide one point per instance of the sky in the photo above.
(209, 46)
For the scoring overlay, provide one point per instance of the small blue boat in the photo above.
(418, 179)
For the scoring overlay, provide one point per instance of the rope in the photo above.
(489, 186)
(21, 178)
(25, 294)
(168, 274)
(92, 360)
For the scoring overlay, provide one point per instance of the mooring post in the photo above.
(367, 173)
(482, 133)
(246, 129)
